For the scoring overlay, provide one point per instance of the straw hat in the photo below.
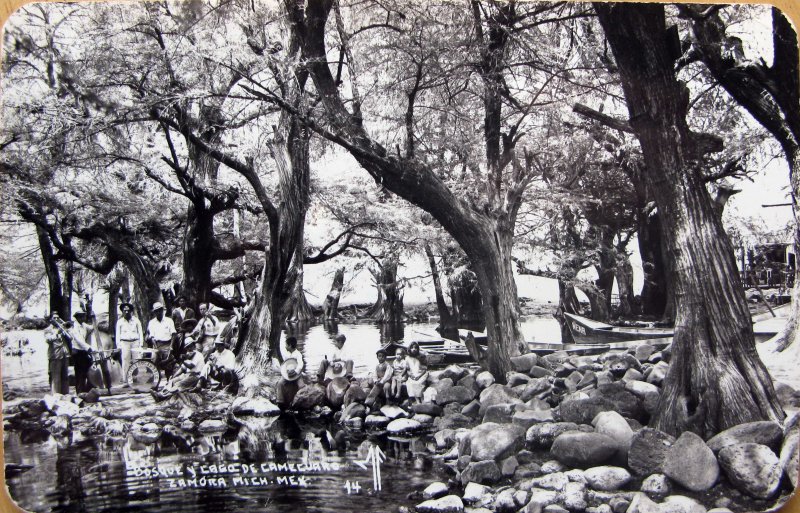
(158, 305)
(337, 369)
(289, 369)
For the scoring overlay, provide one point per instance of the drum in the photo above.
(143, 376)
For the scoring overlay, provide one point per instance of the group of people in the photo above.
(406, 375)
(191, 354)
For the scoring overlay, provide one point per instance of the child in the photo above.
(400, 368)
(383, 373)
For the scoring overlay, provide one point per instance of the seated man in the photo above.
(291, 372)
(339, 356)
(187, 376)
(220, 367)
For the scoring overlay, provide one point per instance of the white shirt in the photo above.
(208, 326)
(80, 334)
(161, 330)
(129, 330)
(226, 359)
(198, 361)
(296, 355)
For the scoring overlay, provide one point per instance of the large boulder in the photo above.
(484, 379)
(583, 450)
(454, 373)
(691, 463)
(615, 426)
(626, 403)
(455, 394)
(452, 421)
(648, 451)
(255, 406)
(523, 363)
(752, 468)
(499, 413)
(606, 478)
(681, 504)
(448, 504)
(536, 387)
(492, 441)
(474, 492)
(376, 421)
(762, 432)
(541, 436)
(353, 411)
(790, 448)
(309, 397)
(482, 472)
(497, 394)
(403, 426)
(556, 481)
(435, 490)
(434, 410)
(582, 411)
(527, 418)
(393, 412)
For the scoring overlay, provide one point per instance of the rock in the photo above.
(536, 387)
(255, 406)
(789, 449)
(579, 449)
(483, 472)
(309, 397)
(641, 503)
(574, 496)
(548, 467)
(213, 426)
(499, 413)
(475, 493)
(61, 425)
(606, 478)
(612, 424)
(453, 372)
(509, 466)
(658, 373)
(642, 388)
(554, 508)
(187, 425)
(497, 394)
(452, 421)
(619, 504)
(393, 412)
(354, 394)
(787, 395)
(648, 451)
(643, 352)
(632, 375)
(60, 405)
(491, 441)
(542, 498)
(448, 504)
(423, 419)
(514, 379)
(539, 372)
(575, 475)
(504, 502)
(435, 490)
(472, 409)
(376, 421)
(526, 419)
(356, 423)
(556, 481)
(455, 394)
(589, 380)
(468, 381)
(353, 410)
(444, 438)
(541, 436)
(534, 404)
(582, 411)
(681, 504)
(434, 410)
(625, 402)
(690, 463)
(403, 426)
(149, 432)
(763, 432)
(443, 384)
(656, 484)
(484, 379)
(523, 363)
(752, 468)
(527, 470)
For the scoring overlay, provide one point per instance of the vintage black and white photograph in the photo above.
(399, 256)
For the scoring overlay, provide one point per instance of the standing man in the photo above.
(181, 312)
(207, 330)
(57, 355)
(160, 331)
(81, 351)
(129, 334)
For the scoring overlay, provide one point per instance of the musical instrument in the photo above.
(101, 368)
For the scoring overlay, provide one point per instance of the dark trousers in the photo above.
(83, 362)
(59, 379)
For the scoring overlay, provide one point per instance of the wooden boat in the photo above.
(587, 331)
(443, 353)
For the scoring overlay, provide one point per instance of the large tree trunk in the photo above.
(716, 379)
(298, 309)
(56, 295)
(654, 290)
(198, 254)
(567, 303)
(624, 275)
(331, 306)
(465, 296)
(447, 326)
(388, 308)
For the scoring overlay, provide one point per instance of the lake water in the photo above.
(104, 474)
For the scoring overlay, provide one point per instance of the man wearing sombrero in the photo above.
(160, 331)
(291, 371)
(128, 334)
